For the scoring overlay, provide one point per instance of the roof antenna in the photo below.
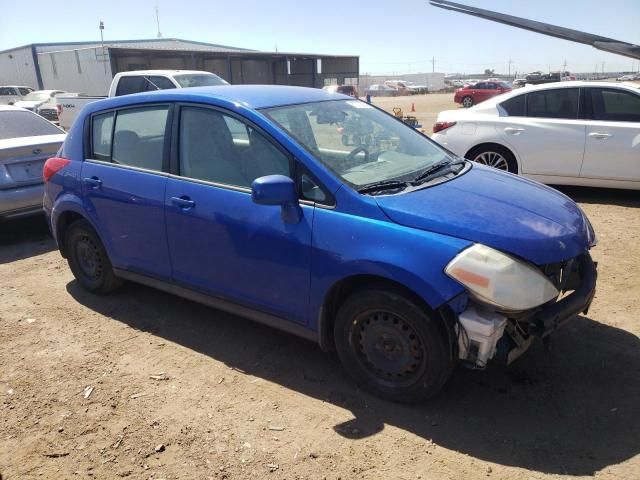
(158, 21)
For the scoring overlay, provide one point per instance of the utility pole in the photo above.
(158, 22)
(603, 69)
(564, 66)
(510, 62)
(433, 64)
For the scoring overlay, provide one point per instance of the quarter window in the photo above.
(137, 140)
(615, 105)
(558, 103)
(101, 131)
(514, 106)
(219, 148)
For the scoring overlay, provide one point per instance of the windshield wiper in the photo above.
(380, 186)
(439, 169)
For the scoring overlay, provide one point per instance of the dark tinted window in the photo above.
(25, 91)
(101, 129)
(138, 137)
(491, 86)
(6, 91)
(480, 86)
(17, 123)
(558, 103)
(127, 85)
(615, 105)
(514, 106)
(158, 83)
(219, 148)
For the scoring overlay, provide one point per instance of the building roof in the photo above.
(154, 43)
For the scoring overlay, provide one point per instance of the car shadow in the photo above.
(24, 238)
(573, 410)
(601, 196)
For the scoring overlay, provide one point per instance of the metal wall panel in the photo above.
(85, 71)
(17, 68)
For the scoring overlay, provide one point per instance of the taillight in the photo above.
(439, 126)
(52, 166)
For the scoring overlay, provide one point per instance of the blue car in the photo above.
(325, 217)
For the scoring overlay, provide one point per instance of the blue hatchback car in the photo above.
(323, 216)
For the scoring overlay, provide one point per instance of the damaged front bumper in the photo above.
(480, 331)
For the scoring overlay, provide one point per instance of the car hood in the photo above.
(29, 105)
(504, 211)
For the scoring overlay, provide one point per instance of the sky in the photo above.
(390, 37)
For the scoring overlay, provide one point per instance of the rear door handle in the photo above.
(514, 130)
(183, 202)
(599, 135)
(93, 182)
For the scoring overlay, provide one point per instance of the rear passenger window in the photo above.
(128, 85)
(615, 105)
(101, 134)
(558, 103)
(138, 137)
(514, 106)
(222, 149)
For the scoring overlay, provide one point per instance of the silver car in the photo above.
(26, 141)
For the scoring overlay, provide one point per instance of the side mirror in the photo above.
(278, 190)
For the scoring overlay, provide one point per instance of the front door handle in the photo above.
(514, 130)
(183, 202)
(599, 135)
(93, 182)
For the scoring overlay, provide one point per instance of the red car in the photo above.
(469, 95)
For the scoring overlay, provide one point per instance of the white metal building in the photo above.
(88, 67)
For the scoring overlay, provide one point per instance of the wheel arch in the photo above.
(342, 289)
(493, 145)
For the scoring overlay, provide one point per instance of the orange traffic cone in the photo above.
(413, 107)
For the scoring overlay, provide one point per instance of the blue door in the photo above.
(124, 187)
(220, 242)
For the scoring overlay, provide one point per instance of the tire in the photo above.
(494, 156)
(467, 102)
(88, 259)
(391, 346)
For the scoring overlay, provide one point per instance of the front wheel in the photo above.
(391, 346)
(467, 102)
(88, 259)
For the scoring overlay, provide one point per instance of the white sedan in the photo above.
(569, 133)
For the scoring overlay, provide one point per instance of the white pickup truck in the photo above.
(125, 83)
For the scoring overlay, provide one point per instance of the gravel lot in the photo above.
(142, 385)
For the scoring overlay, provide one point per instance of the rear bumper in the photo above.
(21, 201)
(550, 318)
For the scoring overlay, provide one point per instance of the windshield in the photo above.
(14, 124)
(359, 143)
(199, 80)
(36, 96)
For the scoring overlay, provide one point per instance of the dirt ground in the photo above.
(143, 385)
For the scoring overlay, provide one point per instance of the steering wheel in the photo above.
(355, 151)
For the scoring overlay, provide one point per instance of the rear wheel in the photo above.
(494, 156)
(88, 259)
(391, 346)
(467, 102)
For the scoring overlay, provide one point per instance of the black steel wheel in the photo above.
(391, 346)
(88, 259)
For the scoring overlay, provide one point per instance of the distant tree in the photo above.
(488, 72)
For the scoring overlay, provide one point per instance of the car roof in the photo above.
(252, 96)
(157, 72)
